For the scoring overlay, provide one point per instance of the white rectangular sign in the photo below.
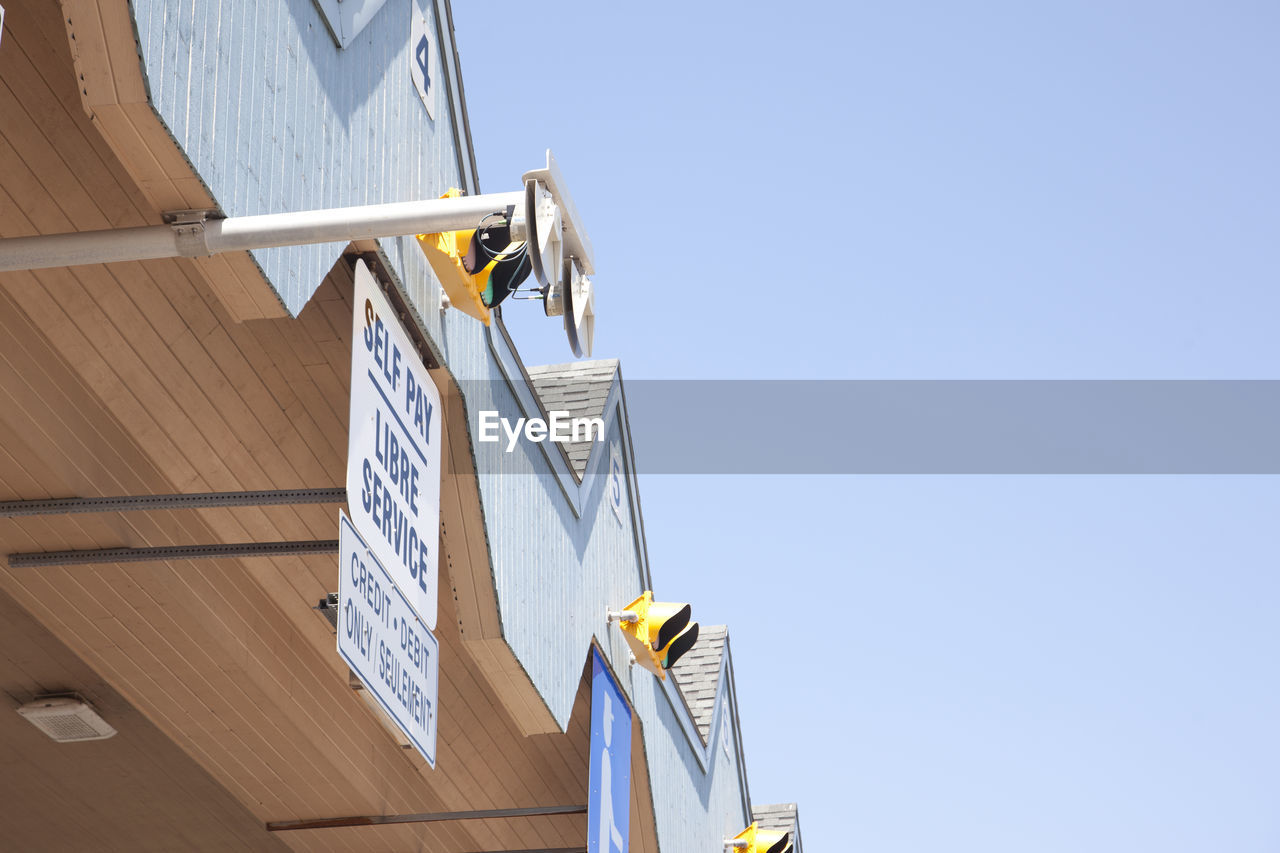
(380, 637)
(393, 456)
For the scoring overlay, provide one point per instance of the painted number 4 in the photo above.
(421, 55)
(422, 60)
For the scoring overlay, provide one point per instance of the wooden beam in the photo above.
(114, 95)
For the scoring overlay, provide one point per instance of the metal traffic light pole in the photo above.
(198, 233)
(542, 216)
(193, 234)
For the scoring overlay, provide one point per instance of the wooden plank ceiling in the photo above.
(234, 709)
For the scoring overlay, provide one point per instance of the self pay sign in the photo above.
(393, 457)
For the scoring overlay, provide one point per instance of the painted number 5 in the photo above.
(615, 481)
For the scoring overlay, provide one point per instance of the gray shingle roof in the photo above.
(697, 674)
(579, 388)
(784, 817)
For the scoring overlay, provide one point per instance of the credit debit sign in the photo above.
(386, 645)
(393, 456)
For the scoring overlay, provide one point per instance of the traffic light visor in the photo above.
(669, 619)
(496, 264)
(783, 843)
(681, 644)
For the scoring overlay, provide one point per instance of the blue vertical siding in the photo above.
(275, 118)
(695, 810)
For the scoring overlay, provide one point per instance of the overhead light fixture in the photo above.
(66, 718)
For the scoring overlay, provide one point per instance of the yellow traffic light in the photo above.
(756, 840)
(658, 632)
(478, 268)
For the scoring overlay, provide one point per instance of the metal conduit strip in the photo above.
(426, 817)
(580, 849)
(129, 503)
(173, 552)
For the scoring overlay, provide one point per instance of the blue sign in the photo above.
(609, 800)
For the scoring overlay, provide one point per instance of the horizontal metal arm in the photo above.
(191, 237)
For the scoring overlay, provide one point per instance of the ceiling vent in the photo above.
(66, 719)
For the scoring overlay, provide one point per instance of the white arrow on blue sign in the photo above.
(609, 798)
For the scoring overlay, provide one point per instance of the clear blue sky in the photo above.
(1004, 190)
